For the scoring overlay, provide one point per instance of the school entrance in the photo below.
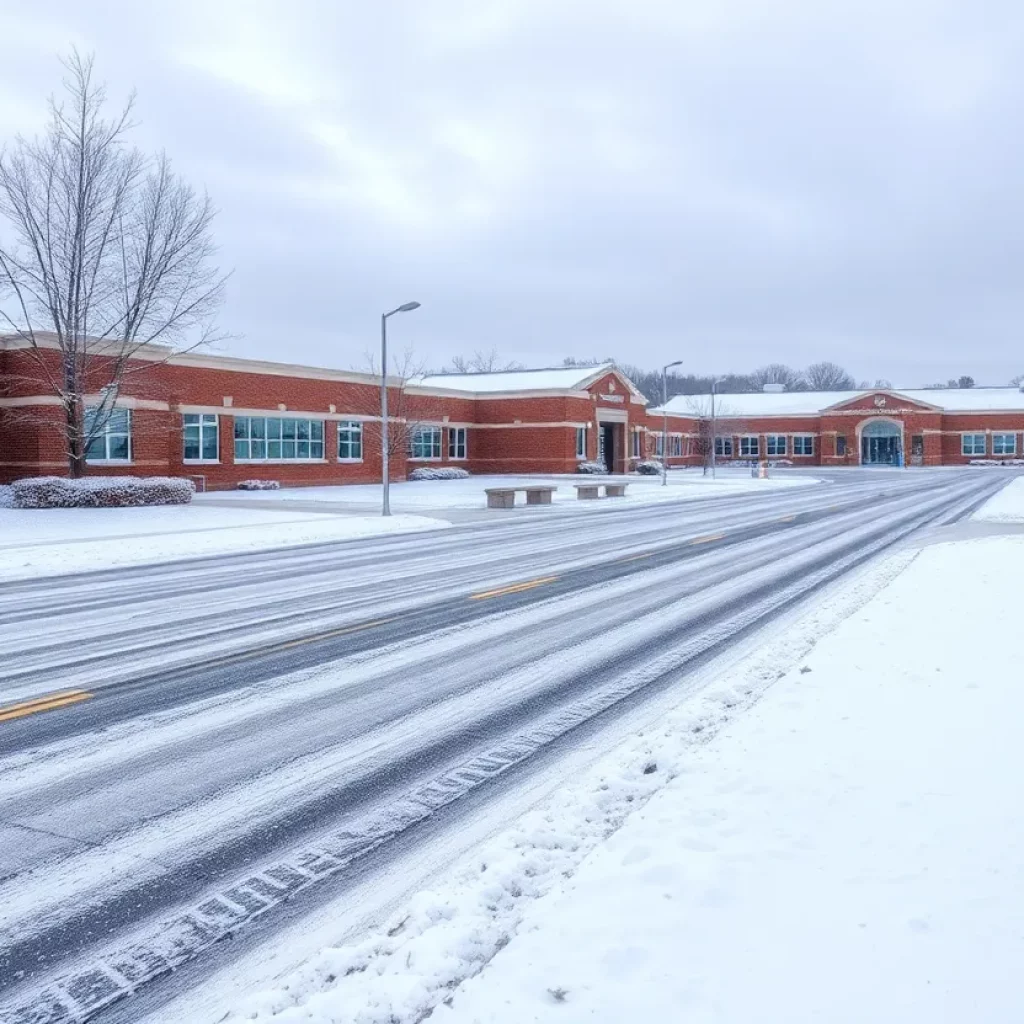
(881, 444)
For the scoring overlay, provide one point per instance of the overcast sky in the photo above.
(728, 183)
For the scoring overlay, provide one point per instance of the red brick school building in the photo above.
(220, 420)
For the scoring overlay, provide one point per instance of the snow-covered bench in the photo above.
(505, 497)
(589, 491)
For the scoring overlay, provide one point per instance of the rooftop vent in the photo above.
(773, 389)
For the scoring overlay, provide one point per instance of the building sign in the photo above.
(612, 398)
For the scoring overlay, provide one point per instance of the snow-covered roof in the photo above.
(809, 403)
(559, 378)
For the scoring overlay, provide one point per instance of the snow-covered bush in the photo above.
(6, 496)
(101, 492)
(754, 463)
(439, 473)
(649, 467)
(258, 485)
(997, 462)
(594, 468)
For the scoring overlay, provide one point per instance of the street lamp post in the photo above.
(714, 428)
(385, 441)
(664, 420)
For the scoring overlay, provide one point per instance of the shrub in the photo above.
(6, 496)
(258, 485)
(649, 467)
(594, 468)
(101, 492)
(997, 462)
(439, 473)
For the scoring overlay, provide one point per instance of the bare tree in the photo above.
(881, 382)
(1018, 380)
(826, 376)
(482, 362)
(726, 424)
(108, 251)
(778, 373)
(408, 412)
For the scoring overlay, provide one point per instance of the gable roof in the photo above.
(556, 378)
(812, 403)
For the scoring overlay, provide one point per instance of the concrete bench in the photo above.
(505, 497)
(590, 491)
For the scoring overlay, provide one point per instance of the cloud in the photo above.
(729, 183)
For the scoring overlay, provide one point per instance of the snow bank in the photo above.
(1007, 506)
(449, 933)
(848, 851)
(46, 542)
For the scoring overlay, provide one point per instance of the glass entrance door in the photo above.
(880, 451)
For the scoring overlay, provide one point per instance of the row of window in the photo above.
(975, 444)
(272, 438)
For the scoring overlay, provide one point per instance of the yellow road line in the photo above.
(787, 519)
(513, 588)
(710, 538)
(636, 558)
(48, 703)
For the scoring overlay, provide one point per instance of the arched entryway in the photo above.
(881, 443)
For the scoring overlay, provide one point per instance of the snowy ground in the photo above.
(44, 542)
(843, 848)
(1006, 507)
(437, 494)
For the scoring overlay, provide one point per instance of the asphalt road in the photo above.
(185, 747)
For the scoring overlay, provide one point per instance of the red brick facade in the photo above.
(528, 429)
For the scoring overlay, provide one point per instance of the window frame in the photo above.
(749, 441)
(772, 441)
(106, 436)
(725, 446)
(675, 446)
(996, 436)
(454, 435)
(581, 443)
(637, 445)
(349, 427)
(204, 427)
(804, 440)
(416, 439)
(282, 431)
(841, 446)
(973, 435)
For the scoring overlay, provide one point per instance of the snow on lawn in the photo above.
(850, 850)
(827, 832)
(44, 542)
(410, 495)
(1007, 506)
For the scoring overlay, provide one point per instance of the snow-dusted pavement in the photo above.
(242, 728)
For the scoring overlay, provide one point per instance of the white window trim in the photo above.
(750, 437)
(768, 438)
(216, 428)
(106, 446)
(972, 454)
(200, 462)
(803, 455)
(427, 458)
(465, 444)
(109, 462)
(1004, 433)
(582, 456)
(362, 442)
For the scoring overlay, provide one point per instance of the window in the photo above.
(750, 447)
(637, 444)
(840, 445)
(581, 442)
(113, 443)
(775, 444)
(456, 442)
(201, 437)
(659, 444)
(723, 447)
(675, 445)
(273, 439)
(803, 445)
(972, 444)
(1004, 444)
(425, 443)
(350, 441)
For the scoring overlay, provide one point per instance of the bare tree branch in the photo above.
(107, 251)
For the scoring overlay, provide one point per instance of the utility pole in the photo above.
(385, 441)
(714, 427)
(664, 420)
